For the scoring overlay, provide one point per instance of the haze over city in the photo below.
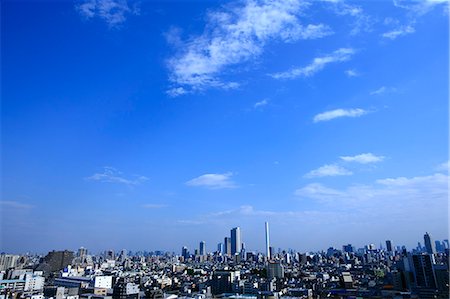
(152, 125)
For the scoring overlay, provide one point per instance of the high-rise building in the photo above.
(347, 248)
(267, 241)
(82, 252)
(220, 248)
(202, 248)
(236, 240)
(8, 261)
(56, 260)
(184, 252)
(275, 270)
(423, 270)
(227, 245)
(109, 255)
(389, 246)
(429, 244)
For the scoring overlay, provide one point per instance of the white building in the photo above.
(103, 282)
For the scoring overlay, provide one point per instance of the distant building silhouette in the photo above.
(236, 241)
(429, 244)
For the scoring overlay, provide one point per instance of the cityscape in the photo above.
(230, 271)
(224, 149)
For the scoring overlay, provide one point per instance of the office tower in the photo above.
(389, 246)
(236, 240)
(82, 252)
(56, 260)
(220, 248)
(202, 248)
(438, 245)
(8, 261)
(275, 270)
(125, 290)
(429, 244)
(423, 270)
(267, 241)
(184, 252)
(347, 248)
(109, 255)
(227, 245)
(222, 281)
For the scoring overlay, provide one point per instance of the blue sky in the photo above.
(157, 124)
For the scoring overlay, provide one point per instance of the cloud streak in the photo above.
(398, 32)
(112, 175)
(338, 113)
(213, 181)
(363, 158)
(318, 64)
(15, 205)
(234, 35)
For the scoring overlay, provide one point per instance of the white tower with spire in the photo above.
(267, 242)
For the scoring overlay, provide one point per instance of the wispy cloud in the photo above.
(363, 158)
(154, 206)
(328, 170)
(233, 35)
(261, 103)
(419, 7)
(112, 175)
(362, 22)
(337, 113)
(394, 193)
(213, 181)
(445, 166)
(352, 73)
(399, 31)
(383, 90)
(113, 12)
(14, 204)
(318, 63)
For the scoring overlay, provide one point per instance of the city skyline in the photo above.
(146, 124)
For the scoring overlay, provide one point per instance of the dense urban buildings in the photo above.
(231, 272)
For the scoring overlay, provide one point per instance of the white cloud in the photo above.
(396, 194)
(363, 158)
(340, 55)
(234, 35)
(112, 175)
(383, 90)
(213, 181)
(352, 73)
(154, 206)
(419, 7)
(113, 12)
(362, 21)
(332, 114)
(397, 32)
(445, 166)
(14, 204)
(261, 103)
(328, 170)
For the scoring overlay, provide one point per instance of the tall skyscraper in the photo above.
(202, 248)
(227, 245)
(423, 270)
(429, 244)
(220, 248)
(267, 241)
(82, 252)
(236, 240)
(184, 252)
(389, 245)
